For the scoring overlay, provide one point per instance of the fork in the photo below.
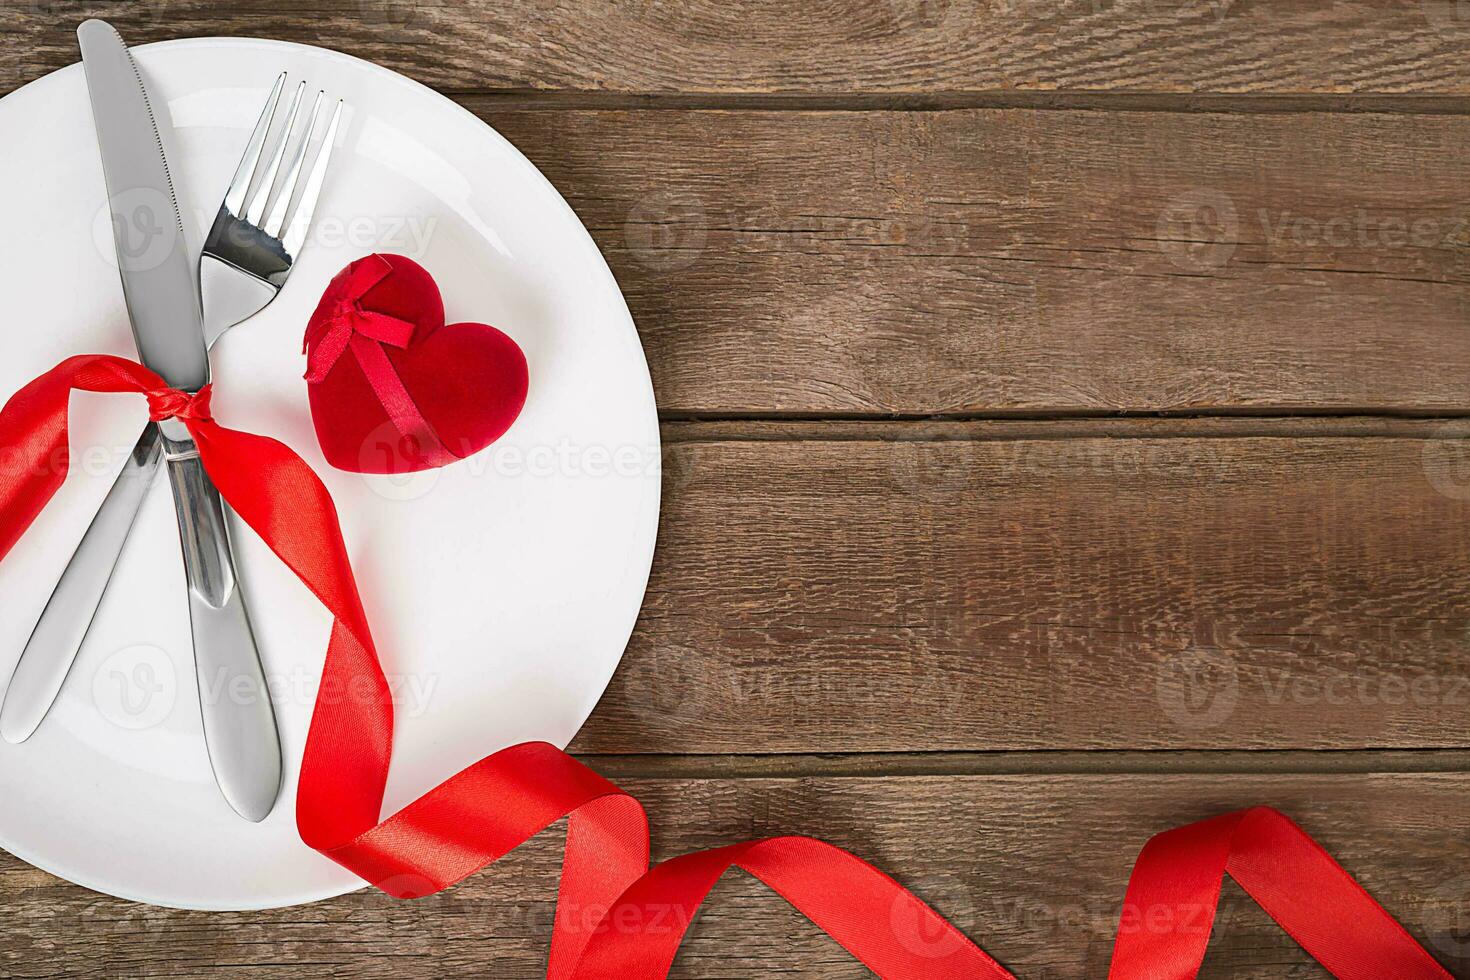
(247, 257)
(250, 251)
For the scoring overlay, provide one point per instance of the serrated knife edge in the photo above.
(159, 278)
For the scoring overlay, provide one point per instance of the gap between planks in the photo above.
(527, 100)
(828, 428)
(1038, 763)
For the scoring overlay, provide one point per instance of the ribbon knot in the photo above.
(328, 339)
(171, 403)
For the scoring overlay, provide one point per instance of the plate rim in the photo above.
(646, 396)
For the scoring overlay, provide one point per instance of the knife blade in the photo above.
(157, 274)
(159, 286)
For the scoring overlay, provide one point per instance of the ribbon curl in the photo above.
(616, 917)
(1175, 888)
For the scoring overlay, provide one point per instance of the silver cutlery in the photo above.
(250, 252)
(168, 326)
(248, 255)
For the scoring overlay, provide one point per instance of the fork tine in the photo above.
(277, 218)
(256, 208)
(311, 190)
(235, 196)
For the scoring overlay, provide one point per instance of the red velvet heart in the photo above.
(394, 389)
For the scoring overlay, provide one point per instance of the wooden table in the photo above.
(1066, 410)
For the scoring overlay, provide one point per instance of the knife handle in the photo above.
(239, 720)
(58, 634)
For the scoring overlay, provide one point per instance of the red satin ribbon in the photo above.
(617, 918)
(1175, 887)
(351, 326)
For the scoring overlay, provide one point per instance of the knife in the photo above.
(160, 289)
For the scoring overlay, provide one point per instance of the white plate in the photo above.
(502, 590)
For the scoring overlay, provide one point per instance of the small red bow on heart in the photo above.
(393, 386)
(350, 327)
(329, 339)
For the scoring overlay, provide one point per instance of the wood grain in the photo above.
(987, 261)
(974, 652)
(1050, 586)
(1032, 867)
(981, 262)
(822, 46)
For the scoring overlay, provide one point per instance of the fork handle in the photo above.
(234, 699)
(229, 294)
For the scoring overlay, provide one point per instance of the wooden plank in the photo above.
(1038, 262)
(834, 47)
(1033, 867)
(1239, 584)
(1020, 261)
